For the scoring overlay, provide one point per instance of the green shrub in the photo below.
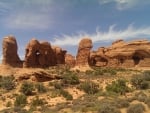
(57, 86)
(136, 108)
(37, 102)
(41, 88)
(89, 87)
(66, 94)
(21, 100)
(118, 86)
(27, 88)
(104, 71)
(148, 102)
(7, 82)
(106, 108)
(146, 75)
(140, 96)
(9, 104)
(139, 81)
(121, 103)
(70, 78)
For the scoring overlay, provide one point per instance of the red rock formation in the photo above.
(10, 56)
(83, 54)
(43, 55)
(122, 54)
(70, 60)
(60, 55)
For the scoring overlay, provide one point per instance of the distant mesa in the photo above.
(43, 54)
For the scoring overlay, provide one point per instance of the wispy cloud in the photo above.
(28, 14)
(124, 4)
(112, 34)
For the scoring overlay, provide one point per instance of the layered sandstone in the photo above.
(123, 54)
(10, 56)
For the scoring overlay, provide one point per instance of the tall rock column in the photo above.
(10, 56)
(83, 54)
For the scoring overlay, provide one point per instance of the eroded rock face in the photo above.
(41, 54)
(123, 54)
(70, 60)
(60, 55)
(83, 54)
(10, 56)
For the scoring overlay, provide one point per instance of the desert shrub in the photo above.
(148, 102)
(57, 85)
(140, 81)
(136, 108)
(21, 100)
(41, 88)
(121, 103)
(104, 71)
(146, 75)
(9, 104)
(140, 96)
(27, 88)
(118, 86)
(37, 102)
(70, 78)
(89, 87)
(7, 82)
(66, 94)
(106, 108)
(89, 72)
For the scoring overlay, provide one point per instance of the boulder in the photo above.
(83, 54)
(10, 56)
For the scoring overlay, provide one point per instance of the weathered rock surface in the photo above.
(41, 54)
(38, 76)
(59, 54)
(123, 54)
(70, 60)
(83, 54)
(10, 56)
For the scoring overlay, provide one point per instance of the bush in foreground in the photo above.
(106, 108)
(27, 88)
(136, 108)
(21, 100)
(118, 86)
(7, 82)
(89, 87)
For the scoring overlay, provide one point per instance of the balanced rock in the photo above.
(10, 56)
(83, 54)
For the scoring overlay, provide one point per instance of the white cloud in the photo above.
(112, 34)
(123, 4)
(29, 21)
(29, 14)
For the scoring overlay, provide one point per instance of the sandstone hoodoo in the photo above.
(70, 60)
(83, 54)
(123, 54)
(10, 56)
(59, 54)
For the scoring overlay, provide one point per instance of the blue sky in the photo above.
(65, 22)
